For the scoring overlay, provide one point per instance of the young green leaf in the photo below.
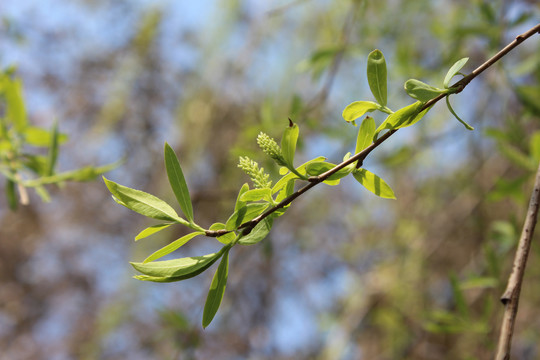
(224, 239)
(404, 117)
(357, 109)
(179, 269)
(166, 250)
(301, 169)
(376, 75)
(244, 214)
(178, 182)
(421, 91)
(143, 203)
(454, 70)
(151, 230)
(239, 203)
(374, 183)
(16, 110)
(318, 168)
(53, 150)
(365, 134)
(257, 195)
(258, 233)
(467, 126)
(217, 289)
(288, 143)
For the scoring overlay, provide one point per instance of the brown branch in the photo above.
(314, 180)
(510, 297)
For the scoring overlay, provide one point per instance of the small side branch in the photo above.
(510, 297)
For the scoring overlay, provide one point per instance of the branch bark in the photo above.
(510, 297)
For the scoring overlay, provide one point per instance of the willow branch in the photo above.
(360, 157)
(510, 297)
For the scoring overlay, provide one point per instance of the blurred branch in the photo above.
(510, 297)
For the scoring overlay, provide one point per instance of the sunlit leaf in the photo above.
(53, 150)
(179, 269)
(376, 75)
(37, 136)
(178, 182)
(301, 169)
(245, 214)
(454, 70)
(421, 91)
(239, 203)
(404, 117)
(258, 233)
(365, 134)
(467, 126)
(217, 289)
(374, 183)
(318, 168)
(143, 203)
(16, 110)
(151, 230)
(357, 109)
(288, 143)
(166, 250)
(257, 195)
(224, 239)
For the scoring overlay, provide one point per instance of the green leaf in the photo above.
(421, 91)
(217, 289)
(151, 230)
(245, 214)
(166, 250)
(376, 75)
(53, 150)
(257, 195)
(454, 70)
(288, 143)
(258, 233)
(374, 183)
(284, 181)
(178, 269)
(357, 109)
(365, 134)
(318, 168)
(479, 282)
(224, 239)
(16, 110)
(534, 146)
(404, 117)
(178, 182)
(467, 126)
(239, 203)
(143, 203)
(36, 136)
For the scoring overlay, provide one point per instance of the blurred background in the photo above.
(344, 275)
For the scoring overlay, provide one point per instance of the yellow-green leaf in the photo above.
(374, 183)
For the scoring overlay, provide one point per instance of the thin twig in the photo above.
(510, 297)
(360, 157)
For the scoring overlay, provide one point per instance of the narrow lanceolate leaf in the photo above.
(454, 70)
(178, 182)
(288, 143)
(467, 126)
(358, 109)
(143, 203)
(365, 134)
(318, 168)
(239, 203)
(180, 269)
(53, 150)
(10, 194)
(404, 117)
(421, 91)
(217, 289)
(376, 75)
(151, 230)
(16, 110)
(166, 250)
(374, 183)
(259, 232)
